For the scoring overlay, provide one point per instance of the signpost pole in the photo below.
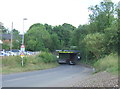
(22, 61)
(22, 46)
(22, 54)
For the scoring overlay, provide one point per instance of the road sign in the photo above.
(22, 48)
(22, 54)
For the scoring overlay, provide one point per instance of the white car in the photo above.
(4, 54)
(12, 54)
(1, 55)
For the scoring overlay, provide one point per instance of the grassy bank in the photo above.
(12, 64)
(109, 63)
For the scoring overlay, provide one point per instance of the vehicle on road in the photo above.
(28, 52)
(14, 52)
(2, 53)
(68, 56)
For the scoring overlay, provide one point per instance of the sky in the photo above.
(52, 12)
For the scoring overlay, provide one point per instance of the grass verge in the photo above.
(12, 64)
(109, 63)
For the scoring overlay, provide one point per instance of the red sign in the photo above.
(22, 46)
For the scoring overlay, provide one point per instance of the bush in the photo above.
(47, 57)
(31, 60)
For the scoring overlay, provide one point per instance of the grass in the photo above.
(12, 64)
(109, 63)
(8, 70)
(89, 62)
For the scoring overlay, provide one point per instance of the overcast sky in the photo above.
(52, 12)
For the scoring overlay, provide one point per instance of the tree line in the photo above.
(96, 39)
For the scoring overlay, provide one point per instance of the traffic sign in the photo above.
(22, 55)
(22, 48)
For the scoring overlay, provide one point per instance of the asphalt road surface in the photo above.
(62, 76)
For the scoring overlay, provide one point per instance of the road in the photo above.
(62, 76)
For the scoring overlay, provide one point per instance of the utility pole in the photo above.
(11, 37)
(23, 30)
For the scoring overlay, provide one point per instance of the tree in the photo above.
(55, 42)
(94, 43)
(5, 46)
(64, 33)
(102, 15)
(48, 28)
(111, 38)
(37, 38)
(78, 35)
(16, 39)
(68, 26)
(3, 29)
(118, 14)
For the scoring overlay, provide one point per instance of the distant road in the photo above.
(62, 76)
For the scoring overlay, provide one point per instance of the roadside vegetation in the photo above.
(44, 60)
(99, 45)
(108, 63)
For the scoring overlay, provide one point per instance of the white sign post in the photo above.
(22, 48)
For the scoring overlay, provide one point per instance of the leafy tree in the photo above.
(78, 35)
(68, 26)
(3, 29)
(111, 38)
(48, 28)
(118, 14)
(95, 43)
(64, 33)
(100, 35)
(102, 15)
(37, 38)
(5, 46)
(16, 39)
(55, 42)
